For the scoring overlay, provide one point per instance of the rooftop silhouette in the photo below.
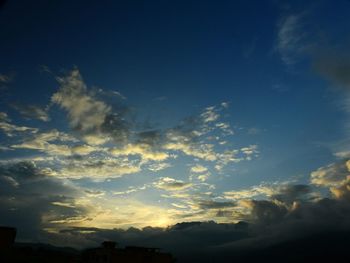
(109, 252)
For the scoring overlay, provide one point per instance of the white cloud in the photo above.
(96, 139)
(210, 115)
(255, 191)
(203, 177)
(170, 184)
(331, 175)
(202, 151)
(85, 112)
(143, 150)
(199, 169)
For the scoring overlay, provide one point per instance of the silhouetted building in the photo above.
(11, 252)
(7, 237)
(108, 253)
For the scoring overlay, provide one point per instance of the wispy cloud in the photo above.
(44, 142)
(291, 38)
(32, 112)
(11, 129)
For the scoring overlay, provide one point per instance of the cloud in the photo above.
(199, 169)
(250, 150)
(210, 204)
(170, 184)
(4, 117)
(95, 193)
(143, 150)
(209, 115)
(131, 189)
(155, 167)
(342, 191)
(200, 136)
(12, 129)
(96, 168)
(264, 190)
(336, 176)
(94, 139)
(32, 112)
(331, 175)
(334, 65)
(291, 38)
(284, 192)
(87, 114)
(266, 212)
(29, 198)
(150, 137)
(106, 146)
(203, 151)
(199, 172)
(291, 193)
(43, 143)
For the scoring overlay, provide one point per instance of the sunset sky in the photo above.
(118, 114)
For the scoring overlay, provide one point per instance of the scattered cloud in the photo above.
(198, 169)
(44, 142)
(96, 168)
(143, 150)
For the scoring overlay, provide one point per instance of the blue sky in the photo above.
(182, 109)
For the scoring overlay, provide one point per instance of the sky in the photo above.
(146, 114)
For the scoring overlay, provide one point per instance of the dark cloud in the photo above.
(209, 204)
(31, 200)
(117, 126)
(291, 193)
(335, 66)
(266, 212)
(151, 137)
